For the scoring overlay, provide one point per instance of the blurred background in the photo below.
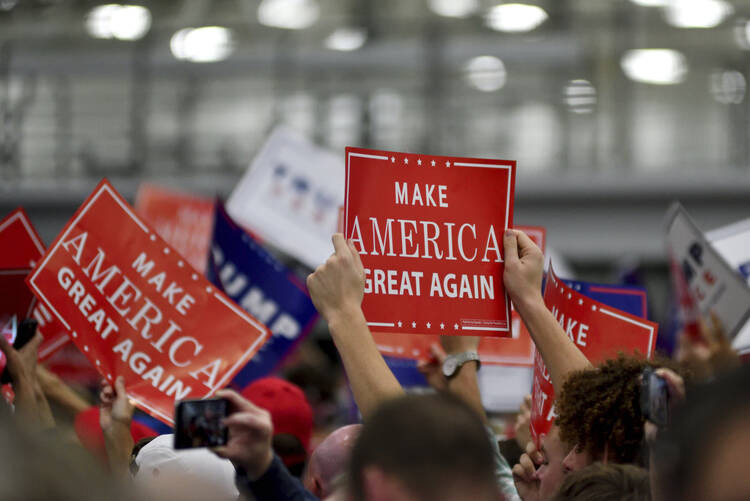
(612, 108)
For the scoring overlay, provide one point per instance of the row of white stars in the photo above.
(419, 161)
(428, 324)
(570, 296)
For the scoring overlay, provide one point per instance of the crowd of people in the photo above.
(408, 447)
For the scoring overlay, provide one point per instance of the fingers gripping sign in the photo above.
(338, 284)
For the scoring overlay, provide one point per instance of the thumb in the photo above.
(120, 387)
(510, 245)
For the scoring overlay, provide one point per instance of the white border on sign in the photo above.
(649, 328)
(105, 187)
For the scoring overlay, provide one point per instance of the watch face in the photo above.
(449, 367)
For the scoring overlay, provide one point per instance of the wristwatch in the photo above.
(452, 363)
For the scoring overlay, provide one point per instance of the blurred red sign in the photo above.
(599, 331)
(429, 231)
(20, 246)
(135, 308)
(183, 220)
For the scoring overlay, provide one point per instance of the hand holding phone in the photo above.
(24, 333)
(199, 423)
(655, 400)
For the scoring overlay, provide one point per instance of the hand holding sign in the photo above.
(429, 232)
(524, 268)
(338, 284)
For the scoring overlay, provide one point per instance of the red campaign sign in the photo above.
(429, 231)
(135, 308)
(517, 350)
(184, 221)
(20, 246)
(599, 331)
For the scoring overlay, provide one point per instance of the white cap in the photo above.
(161, 467)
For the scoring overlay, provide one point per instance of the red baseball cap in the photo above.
(290, 412)
(90, 434)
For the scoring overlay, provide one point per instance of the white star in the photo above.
(419, 161)
(393, 159)
(447, 163)
(399, 323)
(455, 326)
(442, 325)
(428, 325)
(580, 301)
(406, 160)
(414, 325)
(433, 163)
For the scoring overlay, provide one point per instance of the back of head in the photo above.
(45, 465)
(432, 445)
(702, 455)
(330, 459)
(599, 409)
(166, 473)
(598, 481)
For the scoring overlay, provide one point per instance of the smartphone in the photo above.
(654, 398)
(198, 423)
(24, 333)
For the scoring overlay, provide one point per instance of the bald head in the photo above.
(330, 459)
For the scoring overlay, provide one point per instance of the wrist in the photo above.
(529, 304)
(344, 315)
(256, 469)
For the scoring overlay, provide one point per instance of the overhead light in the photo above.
(651, 3)
(121, 22)
(206, 44)
(515, 17)
(697, 13)
(580, 96)
(654, 66)
(288, 14)
(454, 8)
(346, 39)
(485, 73)
(728, 86)
(7, 5)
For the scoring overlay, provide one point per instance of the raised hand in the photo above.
(338, 285)
(250, 435)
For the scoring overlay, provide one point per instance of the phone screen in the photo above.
(658, 398)
(198, 423)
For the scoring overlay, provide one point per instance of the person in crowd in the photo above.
(161, 472)
(599, 412)
(598, 481)
(260, 472)
(337, 290)
(423, 448)
(702, 453)
(329, 460)
(292, 419)
(539, 473)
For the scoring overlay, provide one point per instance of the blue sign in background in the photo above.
(262, 286)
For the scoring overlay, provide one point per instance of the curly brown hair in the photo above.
(600, 408)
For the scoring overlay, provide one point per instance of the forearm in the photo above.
(559, 353)
(118, 443)
(46, 419)
(371, 380)
(56, 390)
(466, 387)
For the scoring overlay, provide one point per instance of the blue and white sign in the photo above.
(262, 286)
